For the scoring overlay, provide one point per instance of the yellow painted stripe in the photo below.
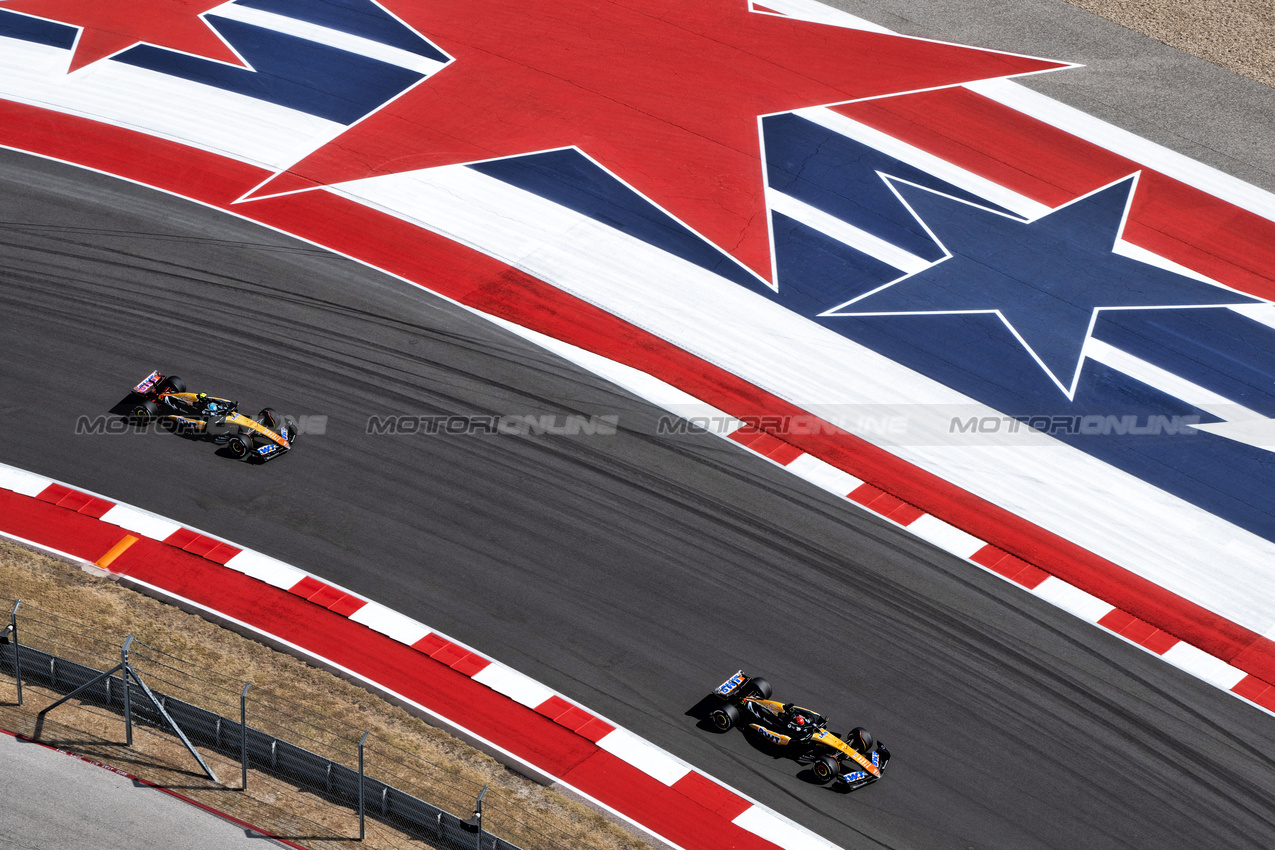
(116, 550)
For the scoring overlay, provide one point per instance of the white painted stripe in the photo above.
(23, 482)
(264, 568)
(1263, 312)
(845, 233)
(946, 536)
(1126, 144)
(925, 161)
(1072, 599)
(140, 522)
(824, 475)
(646, 757)
(1200, 664)
(1167, 382)
(518, 687)
(778, 830)
(203, 117)
(330, 37)
(390, 623)
(808, 10)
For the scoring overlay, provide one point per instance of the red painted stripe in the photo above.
(326, 595)
(45, 523)
(711, 795)
(307, 587)
(1048, 165)
(891, 507)
(485, 284)
(595, 730)
(54, 493)
(181, 537)
(471, 664)
(554, 707)
(429, 644)
(347, 605)
(1013, 568)
(222, 552)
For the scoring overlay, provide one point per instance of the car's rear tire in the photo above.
(239, 446)
(759, 687)
(826, 769)
(724, 718)
(144, 413)
(172, 384)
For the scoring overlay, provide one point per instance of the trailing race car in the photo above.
(218, 419)
(850, 761)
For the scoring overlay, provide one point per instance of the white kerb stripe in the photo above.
(23, 482)
(845, 233)
(264, 568)
(1071, 598)
(140, 522)
(646, 757)
(511, 683)
(946, 536)
(823, 474)
(390, 623)
(1200, 664)
(778, 830)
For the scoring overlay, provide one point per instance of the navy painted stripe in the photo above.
(839, 176)
(357, 17)
(568, 178)
(291, 72)
(1216, 348)
(817, 272)
(48, 33)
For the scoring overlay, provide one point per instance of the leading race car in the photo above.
(849, 761)
(218, 419)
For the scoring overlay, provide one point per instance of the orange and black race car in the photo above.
(165, 399)
(849, 761)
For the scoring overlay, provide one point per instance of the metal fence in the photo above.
(268, 733)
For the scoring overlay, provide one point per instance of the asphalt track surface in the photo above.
(631, 572)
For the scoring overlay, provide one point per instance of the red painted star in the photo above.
(665, 94)
(110, 26)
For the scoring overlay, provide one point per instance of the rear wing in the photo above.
(728, 688)
(149, 381)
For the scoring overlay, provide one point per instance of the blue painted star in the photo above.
(1045, 279)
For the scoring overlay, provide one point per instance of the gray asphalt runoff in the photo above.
(632, 572)
(99, 808)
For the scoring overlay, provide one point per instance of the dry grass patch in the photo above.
(331, 712)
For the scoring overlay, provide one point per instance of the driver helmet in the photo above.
(202, 397)
(799, 720)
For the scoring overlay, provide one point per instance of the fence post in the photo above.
(13, 639)
(128, 704)
(476, 822)
(362, 807)
(243, 734)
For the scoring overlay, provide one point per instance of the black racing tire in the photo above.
(759, 687)
(860, 739)
(724, 718)
(239, 446)
(269, 418)
(143, 413)
(172, 384)
(825, 768)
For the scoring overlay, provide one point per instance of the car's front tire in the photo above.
(825, 769)
(724, 718)
(172, 384)
(239, 446)
(760, 687)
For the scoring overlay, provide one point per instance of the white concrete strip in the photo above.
(1070, 598)
(646, 757)
(202, 117)
(1099, 507)
(264, 568)
(847, 234)
(518, 687)
(1126, 144)
(808, 10)
(780, 831)
(925, 161)
(946, 536)
(1203, 666)
(1167, 382)
(141, 522)
(23, 482)
(390, 623)
(330, 37)
(824, 475)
